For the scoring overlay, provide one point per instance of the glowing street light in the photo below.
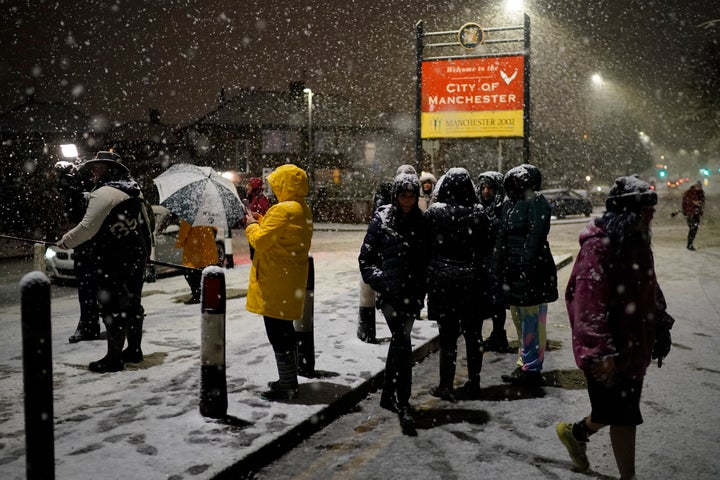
(69, 150)
(310, 149)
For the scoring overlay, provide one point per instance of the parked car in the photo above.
(564, 202)
(60, 263)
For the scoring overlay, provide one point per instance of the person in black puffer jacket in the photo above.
(458, 242)
(116, 229)
(491, 193)
(526, 268)
(391, 261)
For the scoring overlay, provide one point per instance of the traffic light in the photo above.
(662, 171)
(705, 172)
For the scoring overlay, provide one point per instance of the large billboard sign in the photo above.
(473, 97)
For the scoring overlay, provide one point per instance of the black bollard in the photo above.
(213, 383)
(304, 328)
(37, 376)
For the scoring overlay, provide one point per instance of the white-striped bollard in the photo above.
(213, 382)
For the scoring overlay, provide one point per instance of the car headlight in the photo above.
(50, 254)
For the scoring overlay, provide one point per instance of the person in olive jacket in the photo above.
(392, 262)
(526, 268)
(458, 242)
(279, 271)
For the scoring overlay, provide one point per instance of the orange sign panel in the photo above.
(474, 97)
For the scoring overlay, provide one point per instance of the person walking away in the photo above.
(198, 251)
(257, 201)
(619, 321)
(392, 262)
(526, 268)
(279, 271)
(427, 185)
(693, 205)
(116, 228)
(74, 188)
(457, 244)
(491, 194)
(366, 330)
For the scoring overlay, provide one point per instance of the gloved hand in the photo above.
(662, 344)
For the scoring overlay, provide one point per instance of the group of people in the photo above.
(473, 256)
(473, 253)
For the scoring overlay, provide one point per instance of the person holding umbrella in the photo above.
(116, 228)
(279, 271)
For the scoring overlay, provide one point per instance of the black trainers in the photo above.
(443, 392)
(523, 378)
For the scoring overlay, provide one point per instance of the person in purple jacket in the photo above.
(619, 321)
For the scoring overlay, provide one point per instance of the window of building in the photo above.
(280, 141)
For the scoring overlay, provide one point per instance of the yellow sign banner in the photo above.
(505, 123)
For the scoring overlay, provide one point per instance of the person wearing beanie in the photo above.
(693, 205)
(526, 268)
(392, 262)
(619, 321)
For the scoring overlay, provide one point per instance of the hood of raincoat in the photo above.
(456, 188)
(288, 182)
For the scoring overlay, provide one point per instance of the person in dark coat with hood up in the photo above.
(526, 268)
(392, 262)
(619, 320)
(116, 229)
(491, 193)
(458, 243)
(366, 330)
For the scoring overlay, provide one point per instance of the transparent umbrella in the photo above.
(200, 195)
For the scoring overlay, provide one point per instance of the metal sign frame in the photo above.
(467, 39)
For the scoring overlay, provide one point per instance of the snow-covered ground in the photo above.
(145, 423)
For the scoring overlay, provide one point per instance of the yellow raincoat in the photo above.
(281, 239)
(198, 244)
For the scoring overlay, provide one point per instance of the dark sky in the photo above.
(118, 58)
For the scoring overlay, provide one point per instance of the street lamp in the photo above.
(69, 150)
(310, 149)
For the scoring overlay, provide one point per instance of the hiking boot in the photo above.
(85, 335)
(446, 393)
(575, 448)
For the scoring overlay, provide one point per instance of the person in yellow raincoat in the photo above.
(278, 275)
(199, 251)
